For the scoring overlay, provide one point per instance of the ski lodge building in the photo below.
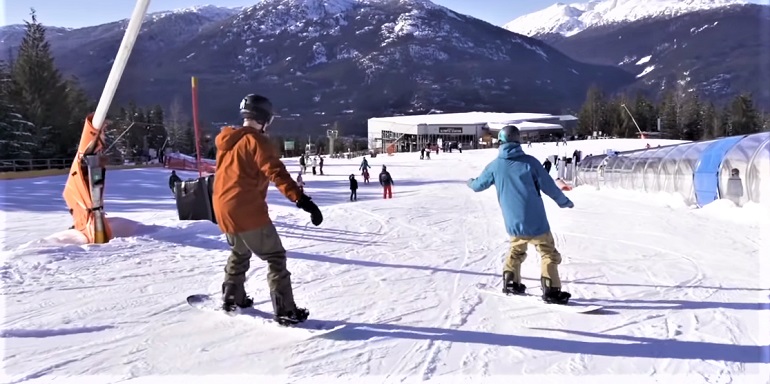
(471, 129)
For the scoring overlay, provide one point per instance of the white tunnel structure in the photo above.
(735, 168)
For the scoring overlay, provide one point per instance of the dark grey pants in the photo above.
(266, 244)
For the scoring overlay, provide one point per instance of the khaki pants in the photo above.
(266, 244)
(550, 257)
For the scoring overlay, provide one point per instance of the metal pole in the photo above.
(196, 126)
(632, 119)
(121, 59)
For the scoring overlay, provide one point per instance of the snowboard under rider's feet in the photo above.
(234, 296)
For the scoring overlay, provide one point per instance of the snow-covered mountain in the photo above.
(213, 12)
(718, 52)
(569, 19)
(329, 61)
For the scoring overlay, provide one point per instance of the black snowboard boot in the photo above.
(553, 295)
(287, 314)
(510, 286)
(234, 295)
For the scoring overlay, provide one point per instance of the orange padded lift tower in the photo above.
(84, 191)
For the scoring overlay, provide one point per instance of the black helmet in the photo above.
(509, 134)
(258, 108)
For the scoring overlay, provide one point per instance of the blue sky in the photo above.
(80, 13)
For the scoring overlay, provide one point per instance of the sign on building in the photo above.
(450, 130)
(288, 145)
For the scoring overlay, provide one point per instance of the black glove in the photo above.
(306, 204)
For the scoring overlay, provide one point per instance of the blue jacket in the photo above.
(519, 178)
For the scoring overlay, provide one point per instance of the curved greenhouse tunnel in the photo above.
(730, 167)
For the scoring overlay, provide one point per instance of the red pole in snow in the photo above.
(196, 126)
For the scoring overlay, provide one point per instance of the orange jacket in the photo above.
(246, 163)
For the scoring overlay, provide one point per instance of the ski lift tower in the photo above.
(332, 135)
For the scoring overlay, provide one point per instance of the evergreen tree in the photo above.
(156, 130)
(37, 87)
(691, 118)
(711, 121)
(744, 118)
(645, 113)
(115, 137)
(78, 106)
(186, 144)
(137, 135)
(593, 115)
(175, 128)
(669, 116)
(724, 128)
(614, 117)
(16, 134)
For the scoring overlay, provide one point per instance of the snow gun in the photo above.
(84, 190)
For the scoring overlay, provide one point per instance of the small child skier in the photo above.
(365, 173)
(353, 187)
(300, 182)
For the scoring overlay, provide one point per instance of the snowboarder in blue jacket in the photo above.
(519, 178)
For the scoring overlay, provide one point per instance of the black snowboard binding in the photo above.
(510, 286)
(234, 295)
(553, 295)
(286, 317)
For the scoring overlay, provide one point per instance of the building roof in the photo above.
(466, 118)
(525, 126)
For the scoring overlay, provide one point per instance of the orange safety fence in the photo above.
(563, 185)
(188, 163)
(77, 192)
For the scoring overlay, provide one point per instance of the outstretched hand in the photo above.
(469, 182)
(306, 204)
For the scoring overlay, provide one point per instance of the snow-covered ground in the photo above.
(685, 290)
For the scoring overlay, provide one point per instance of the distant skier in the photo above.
(364, 165)
(321, 165)
(314, 164)
(172, 180)
(387, 183)
(246, 164)
(365, 170)
(302, 164)
(519, 178)
(547, 165)
(300, 182)
(353, 187)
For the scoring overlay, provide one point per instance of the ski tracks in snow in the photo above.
(461, 302)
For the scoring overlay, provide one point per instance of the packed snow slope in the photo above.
(685, 290)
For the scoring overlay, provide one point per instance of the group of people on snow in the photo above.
(386, 181)
(247, 163)
(316, 161)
